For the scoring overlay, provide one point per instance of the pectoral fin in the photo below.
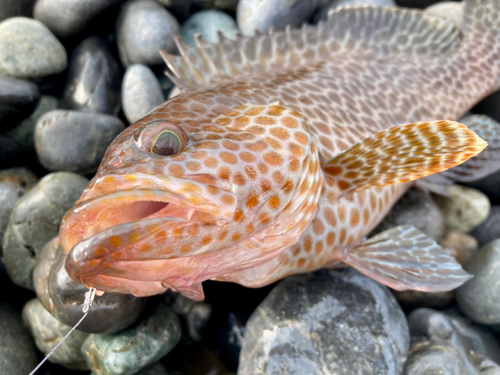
(404, 258)
(403, 153)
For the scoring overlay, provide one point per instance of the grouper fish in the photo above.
(285, 150)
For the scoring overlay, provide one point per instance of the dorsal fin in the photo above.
(374, 31)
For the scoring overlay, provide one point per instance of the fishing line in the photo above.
(89, 299)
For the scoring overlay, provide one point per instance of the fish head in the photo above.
(176, 202)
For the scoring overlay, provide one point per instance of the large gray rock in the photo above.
(337, 322)
(144, 28)
(48, 332)
(29, 50)
(74, 141)
(35, 220)
(479, 298)
(207, 23)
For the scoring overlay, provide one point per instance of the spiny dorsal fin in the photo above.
(374, 31)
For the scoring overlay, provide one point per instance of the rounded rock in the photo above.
(14, 183)
(19, 99)
(261, 15)
(141, 92)
(15, 8)
(29, 50)
(322, 14)
(487, 231)
(207, 23)
(94, 79)
(144, 28)
(74, 141)
(152, 338)
(67, 18)
(48, 332)
(326, 322)
(464, 208)
(35, 220)
(479, 298)
(450, 11)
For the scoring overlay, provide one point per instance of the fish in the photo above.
(285, 149)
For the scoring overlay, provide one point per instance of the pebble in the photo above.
(29, 50)
(144, 28)
(48, 332)
(94, 79)
(19, 99)
(141, 92)
(487, 231)
(67, 18)
(415, 208)
(17, 352)
(74, 141)
(175, 91)
(448, 344)
(322, 14)
(326, 322)
(207, 23)
(451, 11)
(464, 208)
(263, 14)
(128, 351)
(14, 183)
(479, 298)
(9, 152)
(15, 8)
(24, 133)
(462, 245)
(35, 220)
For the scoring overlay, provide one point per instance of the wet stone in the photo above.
(446, 343)
(18, 100)
(17, 352)
(488, 231)
(14, 183)
(35, 220)
(262, 14)
(143, 29)
(451, 11)
(128, 351)
(67, 18)
(464, 208)
(479, 298)
(94, 79)
(207, 23)
(141, 92)
(29, 50)
(48, 332)
(415, 208)
(15, 8)
(326, 322)
(74, 141)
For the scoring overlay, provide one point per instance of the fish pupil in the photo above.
(166, 143)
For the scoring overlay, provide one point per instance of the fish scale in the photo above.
(304, 129)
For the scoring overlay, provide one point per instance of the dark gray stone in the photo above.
(14, 183)
(141, 92)
(229, 5)
(29, 50)
(488, 230)
(449, 344)
(207, 23)
(326, 322)
(262, 14)
(128, 351)
(415, 208)
(94, 79)
(489, 186)
(17, 352)
(67, 18)
(48, 332)
(15, 8)
(18, 100)
(9, 152)
(74, 141)
(35, 220)
(479, 298)
(144, 28)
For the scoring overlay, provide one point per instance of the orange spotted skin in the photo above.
(252, 198)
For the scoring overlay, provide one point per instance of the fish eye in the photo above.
(168, 142)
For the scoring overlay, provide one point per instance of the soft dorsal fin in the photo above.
(378, 32)
(403, 153)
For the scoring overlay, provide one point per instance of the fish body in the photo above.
(284, 152)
